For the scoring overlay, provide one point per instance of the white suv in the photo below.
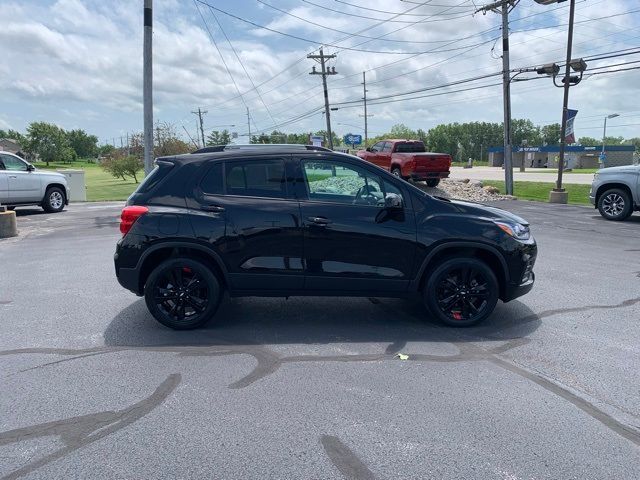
(22, 184)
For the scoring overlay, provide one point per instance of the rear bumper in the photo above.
(427, 175)
(129, 279)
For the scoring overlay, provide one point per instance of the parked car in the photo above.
(291, 221)
(409, 159)
(615, 191)
(22, 184)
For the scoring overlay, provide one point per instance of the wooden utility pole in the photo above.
(200, 113)
(325, 71)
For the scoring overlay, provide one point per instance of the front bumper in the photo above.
(513, 291)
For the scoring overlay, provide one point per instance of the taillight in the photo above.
(129, 216)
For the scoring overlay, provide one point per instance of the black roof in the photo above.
(260, 146)
(221, 153)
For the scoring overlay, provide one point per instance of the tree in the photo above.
(121, 166)
(49, 142)
(219, 138)
(589, 141)
(106, 150)
(85, 146)
(400, 130)
(551, 134)
(613, 140)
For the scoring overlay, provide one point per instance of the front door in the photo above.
(24, 185)
(248, 210)
(4, 184)
(352, 242)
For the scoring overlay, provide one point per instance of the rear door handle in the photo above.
(13, 176)
(212, 208)
(319, 220)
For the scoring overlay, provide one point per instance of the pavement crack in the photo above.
(77, 432)
(345, 460)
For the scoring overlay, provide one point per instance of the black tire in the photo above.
(449, 292)
(54, 200)
(397, 172)
(615, 204)
(433, 182)
(182, 293)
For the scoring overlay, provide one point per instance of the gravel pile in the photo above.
(472, 190)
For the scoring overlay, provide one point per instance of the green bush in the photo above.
(123, 166)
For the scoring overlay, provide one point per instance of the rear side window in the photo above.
(387, 147)
(212, 183)
(155, 176)
(257, 178)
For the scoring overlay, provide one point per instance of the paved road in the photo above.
(92, 387)
(531, 175)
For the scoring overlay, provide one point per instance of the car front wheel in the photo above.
(182, 293)
(461, 292)
(53, 200)
(615, 204)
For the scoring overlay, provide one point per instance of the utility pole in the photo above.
(506, 87)
(249, 124)
(200, 113)
(364, 87)
(147, 86)
(325, 71)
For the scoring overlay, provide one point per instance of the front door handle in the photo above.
(212, 208)
(13, 176)
(319, 220)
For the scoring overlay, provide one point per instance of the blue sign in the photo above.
(351, 139)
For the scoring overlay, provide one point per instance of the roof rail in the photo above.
(261, 146)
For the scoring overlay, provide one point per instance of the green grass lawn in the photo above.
(101, 185)
(539, 191)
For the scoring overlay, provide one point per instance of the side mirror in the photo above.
(30, 168)
(393, 201)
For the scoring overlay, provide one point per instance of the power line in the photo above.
(360, 7)
(242, 65)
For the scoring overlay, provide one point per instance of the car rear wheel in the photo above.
(615, 204)
(53, 200)
(461, 292)
(182, 293)
(433, 182)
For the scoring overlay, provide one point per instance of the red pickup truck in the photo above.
(408, 159)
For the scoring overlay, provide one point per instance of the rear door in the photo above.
(4, 184)
(24, 186)
(384, 157)
(352, 243)
(248, 213)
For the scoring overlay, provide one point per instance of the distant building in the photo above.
(577, 156)
(10, 145)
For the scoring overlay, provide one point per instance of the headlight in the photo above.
(515, 230)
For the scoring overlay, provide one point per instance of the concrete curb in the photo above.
(8, 225)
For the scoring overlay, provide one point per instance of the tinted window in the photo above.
(12, 163)
(387, 147)
(334, 181)
(256, 178)
(377, 147)
(415, 147)
(158, 173)
(212, 181)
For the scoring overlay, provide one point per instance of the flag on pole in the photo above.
(569, 133)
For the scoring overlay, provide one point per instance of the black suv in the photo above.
(292, 221)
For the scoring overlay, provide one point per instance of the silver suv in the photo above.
(615, 191)
(22, 184)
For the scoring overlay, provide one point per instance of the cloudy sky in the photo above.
(78, 63)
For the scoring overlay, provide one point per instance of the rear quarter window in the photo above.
(155, 176)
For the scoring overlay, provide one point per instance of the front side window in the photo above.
(339, 182)
(377, 147)
(12, 163)
(257, 178)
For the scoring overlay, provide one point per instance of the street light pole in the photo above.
(604, 136)
(558, 194)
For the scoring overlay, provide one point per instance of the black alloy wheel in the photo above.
(615, 204)
(462, 292)
(182, 293)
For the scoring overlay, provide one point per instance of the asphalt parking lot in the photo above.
(92, 387)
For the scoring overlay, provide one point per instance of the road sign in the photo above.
(351, 139)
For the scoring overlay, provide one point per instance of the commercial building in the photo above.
(575, 156)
